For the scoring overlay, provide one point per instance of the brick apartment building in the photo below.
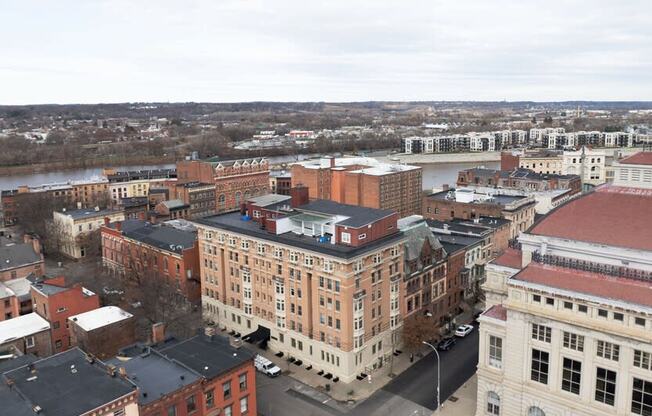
(53, 300)
(308, 274)
(200, 198)
(362, 181)
(427, 286)
(235, 180)
(102, 332)
(168, 253)
(469, 204)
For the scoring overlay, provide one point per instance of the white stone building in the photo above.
(589, 164)
(573, 335)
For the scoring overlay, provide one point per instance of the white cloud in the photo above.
(243, 50)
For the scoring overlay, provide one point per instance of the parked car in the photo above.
(265, 366)
(463, 330)
(446, 344)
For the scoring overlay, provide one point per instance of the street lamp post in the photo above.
(438, 372)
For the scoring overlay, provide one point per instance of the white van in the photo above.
(264, 365)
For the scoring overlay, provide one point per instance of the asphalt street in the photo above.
(419, 382)
(412, 393)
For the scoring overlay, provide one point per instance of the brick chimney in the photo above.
(158, 332)
(142, 215)
(299, 196)
(107, 221)
(34, 241)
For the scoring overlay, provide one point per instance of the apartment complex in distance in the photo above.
(568, 328)
(316, 277)
(469, 142)
(362, 181)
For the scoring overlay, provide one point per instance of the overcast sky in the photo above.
(89, 51)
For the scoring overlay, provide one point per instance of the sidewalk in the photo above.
(357, 390)
(466, 402)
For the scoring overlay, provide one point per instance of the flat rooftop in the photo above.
(155, 375)
(164, 237)
(358, 216)
(610, 215)
(496, 199)
(233, 222)
(66, 384)
(100, 317)
(630, 291)
(22, 326)
(78, 214)
(368, 165)
(207, 356)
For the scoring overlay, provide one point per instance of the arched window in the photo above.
(221, 201)
(238, 199)
(535, 411)
(493, 403)
(246, 198)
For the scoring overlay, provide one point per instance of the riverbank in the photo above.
(85, 164)
(430, 158)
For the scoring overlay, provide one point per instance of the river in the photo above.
(434, 174)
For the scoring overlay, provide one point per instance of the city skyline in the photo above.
(235, 51)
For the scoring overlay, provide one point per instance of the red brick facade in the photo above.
(124, 254)
(57, 307)
(235, 181)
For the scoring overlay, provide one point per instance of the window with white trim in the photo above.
(642, 360)
(493, 403)
(541, 332)
(495, 351)
(346, 237)
(608, 350)
(573, 341)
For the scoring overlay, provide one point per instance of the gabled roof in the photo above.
(416, 238)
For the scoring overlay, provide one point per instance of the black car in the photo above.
(446, 344)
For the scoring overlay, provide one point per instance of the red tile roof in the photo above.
(510, 258)
(594, 284)
(640, 158)
(496, 312)
(611, 215)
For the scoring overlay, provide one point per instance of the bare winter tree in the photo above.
(416, 329)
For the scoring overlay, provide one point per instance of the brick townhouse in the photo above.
(55, 301)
